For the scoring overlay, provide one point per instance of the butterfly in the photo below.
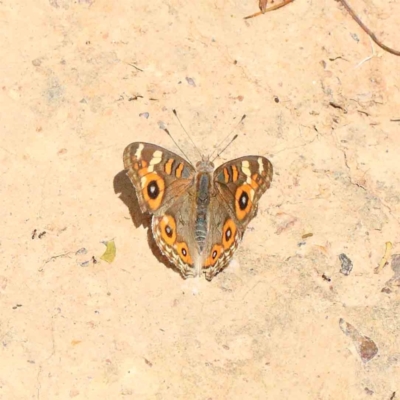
(199, 215)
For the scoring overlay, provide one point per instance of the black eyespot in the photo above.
(243, 201)
(228, 234)
(184, 252)
(214, 254)
(153, 190)
(168, 231)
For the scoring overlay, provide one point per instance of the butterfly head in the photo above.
(205, 165)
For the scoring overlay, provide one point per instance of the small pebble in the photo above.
(81, 251)
(346, 263)
(84, 264)
(355, 37)
(190, 81)
(396, 264)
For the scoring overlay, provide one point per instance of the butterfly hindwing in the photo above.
(174, 234)
(224, 236)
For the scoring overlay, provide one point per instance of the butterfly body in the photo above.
(199, 214)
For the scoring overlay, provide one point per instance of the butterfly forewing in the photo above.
(241, 183)
(158, 175)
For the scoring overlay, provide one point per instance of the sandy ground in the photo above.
(320, 99)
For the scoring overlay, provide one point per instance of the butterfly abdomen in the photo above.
(203, 182)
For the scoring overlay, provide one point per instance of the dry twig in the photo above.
(264, 9)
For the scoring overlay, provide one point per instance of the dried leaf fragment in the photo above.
(385, 258)
(264, 9)
(366, 347)
(110, 252)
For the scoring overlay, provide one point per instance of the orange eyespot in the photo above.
(168, 229)
(153, 190)
(183, 252)
(228, 234)
(215, 254)
(243, 201)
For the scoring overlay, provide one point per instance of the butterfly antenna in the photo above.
(226, 137)
(234, 138)
(194, 144)
(176, 144)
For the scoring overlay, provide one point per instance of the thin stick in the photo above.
(368, 31)
(194, 144)
(272, 8)
(134, 66)
(368, 58)
(350, 11)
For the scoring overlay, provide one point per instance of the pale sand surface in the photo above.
(267, 327)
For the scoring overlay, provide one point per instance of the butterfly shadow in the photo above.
(123, 187)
